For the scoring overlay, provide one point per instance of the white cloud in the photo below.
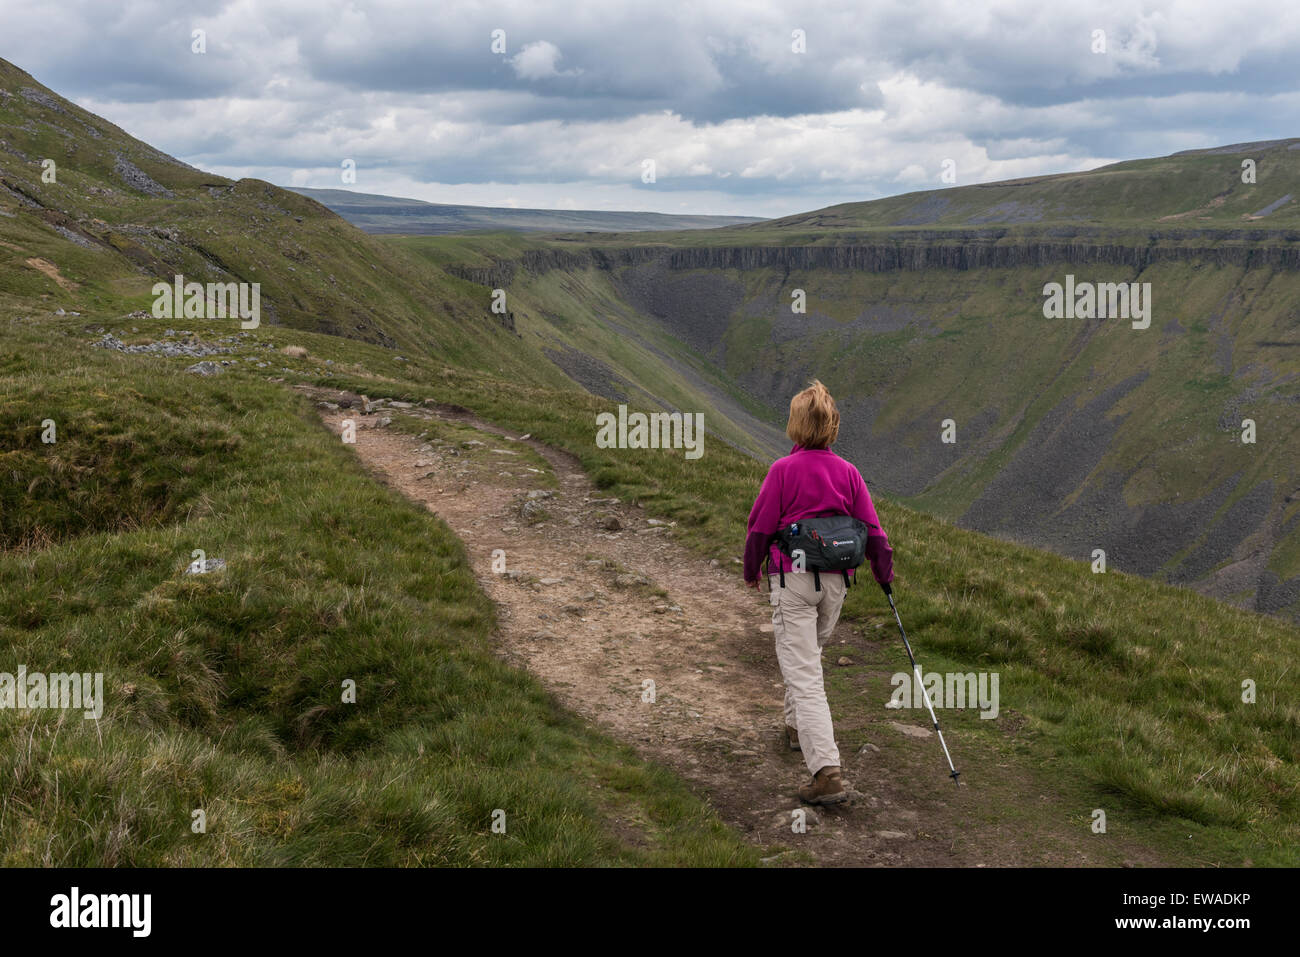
(734, 119)
(536, 61)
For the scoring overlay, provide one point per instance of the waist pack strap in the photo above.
(817, 579)
(768, 573)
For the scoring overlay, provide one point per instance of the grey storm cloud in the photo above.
(578, 94)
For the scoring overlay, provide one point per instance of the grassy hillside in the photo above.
(121, 216)
(578, 319)
(97, 239)
(1201, 188)
(225, 690)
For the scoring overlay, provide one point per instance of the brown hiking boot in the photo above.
(826, 787)
(792, 738)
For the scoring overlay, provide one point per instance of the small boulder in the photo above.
(532, 511)
(786, 820)
(911, 730)
(206, 566)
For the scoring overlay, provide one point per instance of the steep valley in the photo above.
(1071, 434)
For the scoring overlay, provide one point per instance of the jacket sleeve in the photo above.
(764, 518)
(879, 552)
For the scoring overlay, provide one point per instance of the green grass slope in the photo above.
(1201, 188)
(225, 691)
(577, 318)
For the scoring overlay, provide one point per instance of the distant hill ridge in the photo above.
(390, 214)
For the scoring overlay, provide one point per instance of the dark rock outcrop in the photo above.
(931, 249)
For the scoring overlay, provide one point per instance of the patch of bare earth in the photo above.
(49, 269)
(596, 601)
(1214, 203)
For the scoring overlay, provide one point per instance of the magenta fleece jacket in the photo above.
(804, 484)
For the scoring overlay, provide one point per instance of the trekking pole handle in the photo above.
(886, 588)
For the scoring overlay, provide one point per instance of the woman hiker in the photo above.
(810, 481)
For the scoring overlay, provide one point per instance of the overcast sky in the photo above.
(735, 119)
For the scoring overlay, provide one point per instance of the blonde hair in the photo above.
(814, 418)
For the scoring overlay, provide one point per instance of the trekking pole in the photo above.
(889, 593)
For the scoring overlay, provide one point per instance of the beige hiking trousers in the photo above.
(802, 620)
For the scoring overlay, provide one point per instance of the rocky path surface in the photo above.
(597, 599)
